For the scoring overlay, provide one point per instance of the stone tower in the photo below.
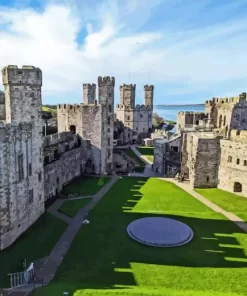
(148, 95)
(23, 184)
(89, 93)
(106, 99)
(127, 95)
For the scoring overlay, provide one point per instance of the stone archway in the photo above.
(73, 129)
(237, 187)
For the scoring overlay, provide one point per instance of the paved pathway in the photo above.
(50, 264)
(137, 152)
(232, 217)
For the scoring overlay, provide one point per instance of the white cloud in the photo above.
(116, 43)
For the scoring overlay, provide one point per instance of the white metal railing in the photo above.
(19, 279)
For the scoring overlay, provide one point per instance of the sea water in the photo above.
(170, 112)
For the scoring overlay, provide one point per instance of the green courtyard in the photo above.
(84, 185)
(71, 207)
(103, 260)
(148, 152)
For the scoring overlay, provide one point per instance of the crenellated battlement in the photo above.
(148, 87)
(127, 87)
(181, 113)
(27, 75)
(137, 108)
(69, 106)
(106, 80)
(230, 100)
(58, 138)
(89, 86)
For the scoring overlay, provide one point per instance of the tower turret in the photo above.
(89, 93)
(127, 95)
(148, 95)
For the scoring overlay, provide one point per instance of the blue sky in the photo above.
(195, 50)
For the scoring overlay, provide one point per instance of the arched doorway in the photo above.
(73, 129)
(237, 187)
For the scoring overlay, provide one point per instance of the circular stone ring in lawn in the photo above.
(160, 232)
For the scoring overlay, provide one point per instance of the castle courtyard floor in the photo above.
(103, 260)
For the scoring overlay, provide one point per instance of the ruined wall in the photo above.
(2, 106)
(189, 119)
(92, 130)
(233, 163)
(21, 183)
(69, 115)
(159, 152)
(200, 158)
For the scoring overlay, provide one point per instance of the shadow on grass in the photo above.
(146, 150)
(102, 255)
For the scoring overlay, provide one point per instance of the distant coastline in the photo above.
(180, 105)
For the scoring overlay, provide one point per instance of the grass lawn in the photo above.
(71, 207)
(103, 260)
(132, 154)
(85, 185)
(226, 200)
(35, 243)
(148, 152)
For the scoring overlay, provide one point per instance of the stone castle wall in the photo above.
(233, 162)
(2, 106)
(21, 183)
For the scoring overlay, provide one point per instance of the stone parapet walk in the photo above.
(187, 187)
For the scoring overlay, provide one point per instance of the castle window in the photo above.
(109, 153)
(224, 121)
(109, 141)
(237, 187)
(40, 196)
(109, 108)
(141, 115)
(20, 167)
(150, 116)
(128, 118)
(31, 196)
(40, 177)
(46, 159)
(245, 162)
(30, 169)
(56, 154)
(66, 148)
(73, 129)
(229, 159)
(108, 130)
(20, 72)
(109, 120)
(207, 179)
(109, 95)
(238, 161)
(238, 133)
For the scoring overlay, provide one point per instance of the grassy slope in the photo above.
(148, 152)
(85, 185)
(227, 201)
(71, 207)
(103, 260)
(35, 243)
(46, 109)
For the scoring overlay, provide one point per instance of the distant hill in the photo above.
(50, 108)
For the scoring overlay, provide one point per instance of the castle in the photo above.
(34, 168)
(137, 119)
(211, 147)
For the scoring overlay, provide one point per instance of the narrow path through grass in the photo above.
(228, 201)
(148, 152)
(71, 207)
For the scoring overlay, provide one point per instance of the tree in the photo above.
(157, 119)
